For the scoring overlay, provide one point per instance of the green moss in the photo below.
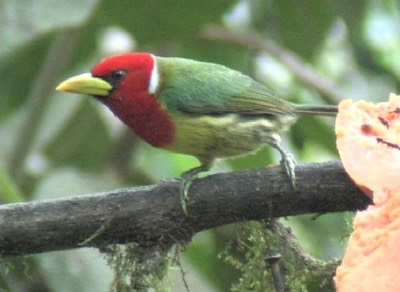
(137, 268)
(257, 242)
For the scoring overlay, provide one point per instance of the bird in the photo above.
(191, 107)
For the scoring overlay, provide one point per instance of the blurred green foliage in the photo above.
(55, 145)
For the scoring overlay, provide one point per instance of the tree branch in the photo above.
(152, 215)
(300, 69)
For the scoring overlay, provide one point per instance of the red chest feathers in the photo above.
(144, 115)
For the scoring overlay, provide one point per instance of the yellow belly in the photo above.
(208, 137)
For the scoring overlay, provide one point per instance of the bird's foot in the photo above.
(186, 181)
(289, 164)
(287, 160)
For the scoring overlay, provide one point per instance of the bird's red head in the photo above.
(127, 72)
(134, 78)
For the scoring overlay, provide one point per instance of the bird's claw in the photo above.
(289, 164)
(287, 161)
(187, 178)
(184, 192)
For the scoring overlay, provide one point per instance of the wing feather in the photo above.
(205, 88)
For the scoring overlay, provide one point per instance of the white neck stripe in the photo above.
(154, 77)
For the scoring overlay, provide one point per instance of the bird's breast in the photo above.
(225, 135)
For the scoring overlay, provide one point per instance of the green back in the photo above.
(204, 88)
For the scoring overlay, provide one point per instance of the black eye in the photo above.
(116, 76)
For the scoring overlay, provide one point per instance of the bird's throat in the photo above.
(145, 116)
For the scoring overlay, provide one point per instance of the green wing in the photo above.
(205, 88)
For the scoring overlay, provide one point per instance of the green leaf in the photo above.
(22, 21)
(313, 130)
(83, 142)
(234, 57)
(8, 190)
(203, 253)
(155, 22)
(301, 26)
(260, 159)
(18, 71)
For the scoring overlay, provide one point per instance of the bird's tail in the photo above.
(320, 110)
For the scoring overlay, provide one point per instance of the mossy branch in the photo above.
(152, 215)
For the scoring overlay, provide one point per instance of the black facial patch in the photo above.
(115, 77)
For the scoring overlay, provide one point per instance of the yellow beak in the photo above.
(85, 84)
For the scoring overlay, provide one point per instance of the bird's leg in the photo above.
(188, 177)
(287, 159)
